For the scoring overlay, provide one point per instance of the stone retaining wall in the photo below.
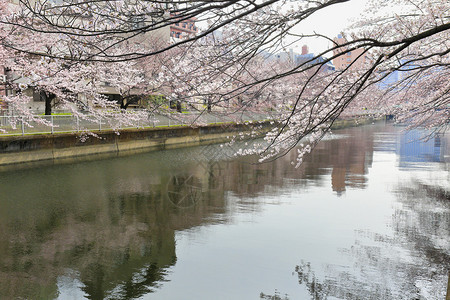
(59, 147)
(34, 148)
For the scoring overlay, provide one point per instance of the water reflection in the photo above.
(416, 146)
(414, 261)
(107, 229)
(417, 253)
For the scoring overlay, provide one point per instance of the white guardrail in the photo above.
(17, 125)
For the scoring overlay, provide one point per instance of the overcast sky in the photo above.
(330, 21)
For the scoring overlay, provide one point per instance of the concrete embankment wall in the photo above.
(352, 122)
(48, 147)
(71, 146)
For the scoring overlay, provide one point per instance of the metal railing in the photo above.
(18, 125)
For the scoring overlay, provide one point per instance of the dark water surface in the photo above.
(367, 216)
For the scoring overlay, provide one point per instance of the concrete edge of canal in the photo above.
(71, 147)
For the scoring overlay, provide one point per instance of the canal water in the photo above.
(366, 216)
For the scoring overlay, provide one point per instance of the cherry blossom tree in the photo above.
(79, 87)
(415, 51)
(232, 69)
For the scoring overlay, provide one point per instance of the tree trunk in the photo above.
(126, 101)
(208, 107)
(48, 102)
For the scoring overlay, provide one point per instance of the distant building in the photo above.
(390, 80)
(310, 59)
(183, 28)
(347, 58)
(285, 57)
(298, 59)
(395, 79)
(305, 49)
